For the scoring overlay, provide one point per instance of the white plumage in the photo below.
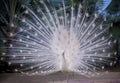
(64, 39)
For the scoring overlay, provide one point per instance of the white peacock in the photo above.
(66, 38)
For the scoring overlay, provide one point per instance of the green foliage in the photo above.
(114, 7)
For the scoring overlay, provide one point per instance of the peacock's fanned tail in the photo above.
(62, 38)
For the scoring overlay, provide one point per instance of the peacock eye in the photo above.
(49, 38)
